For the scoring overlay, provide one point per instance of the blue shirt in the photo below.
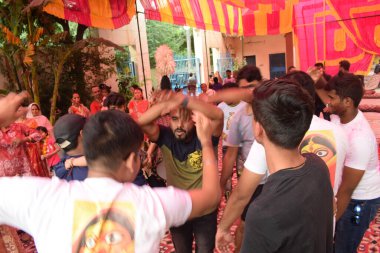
(75, 173)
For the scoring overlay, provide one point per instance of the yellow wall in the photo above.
(261, 46)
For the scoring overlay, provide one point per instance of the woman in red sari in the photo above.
(33, 148)
(14, 162)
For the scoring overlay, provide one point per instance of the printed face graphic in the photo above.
(97, 228)
(107, 236)
(322, 144)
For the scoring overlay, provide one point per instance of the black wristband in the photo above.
(185, 102)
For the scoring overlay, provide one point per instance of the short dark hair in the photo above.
(138, 88)
(114, 99)
(230, 85)
(165, 83)
(291, 67)
(110, 137)
(42, 129)
(228, 70)
(347, 86)
(345, 65)
(284, 110)
(304, 80)
(249, 73)
(319, 65)
(216, 80)
(104, 86)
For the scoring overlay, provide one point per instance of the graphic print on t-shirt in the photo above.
(322, 143)
(195, 160)
(103, 227)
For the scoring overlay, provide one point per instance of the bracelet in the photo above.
(185, 102)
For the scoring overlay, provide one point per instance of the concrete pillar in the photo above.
(201, 53)
(129, 36)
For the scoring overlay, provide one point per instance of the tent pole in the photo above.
(141, 53)
(208, 69)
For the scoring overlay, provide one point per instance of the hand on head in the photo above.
(11, 109)
(172, 99)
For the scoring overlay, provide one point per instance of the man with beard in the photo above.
(182, 156)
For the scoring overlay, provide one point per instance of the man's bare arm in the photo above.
(350, 180)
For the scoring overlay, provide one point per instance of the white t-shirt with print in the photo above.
(60, 215)
(323, 138)
(362, 155)
(229, 112)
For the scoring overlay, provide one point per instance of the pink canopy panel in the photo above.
(325, 30)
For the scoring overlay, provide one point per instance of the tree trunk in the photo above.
(36, 92)
(57, 76)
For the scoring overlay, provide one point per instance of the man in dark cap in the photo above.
(68, 135)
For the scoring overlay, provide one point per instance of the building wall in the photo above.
(129, 36)
(204, 42)
(261, 47)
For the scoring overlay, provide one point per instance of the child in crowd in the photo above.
(49, 148)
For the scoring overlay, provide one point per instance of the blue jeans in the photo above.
(352, 225)
(203, 229)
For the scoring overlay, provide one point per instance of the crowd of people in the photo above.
(305, 156)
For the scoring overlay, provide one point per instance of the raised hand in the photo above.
(203, 126)
(315, 73)
(10, 108)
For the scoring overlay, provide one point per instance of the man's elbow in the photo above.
(213, 201)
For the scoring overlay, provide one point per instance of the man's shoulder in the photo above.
(319, 124)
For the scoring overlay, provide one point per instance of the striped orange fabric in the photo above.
(109, 14)
(207, 14)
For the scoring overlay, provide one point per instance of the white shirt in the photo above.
(229, 112)
(362, 155)
(323, 138)
(57, 213)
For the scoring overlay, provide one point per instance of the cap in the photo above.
(67, 130)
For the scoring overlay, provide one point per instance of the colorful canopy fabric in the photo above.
(108, 14)
(205, 14)
(325, 30)
(325, 33)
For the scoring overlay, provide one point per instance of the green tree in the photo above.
(159, 33)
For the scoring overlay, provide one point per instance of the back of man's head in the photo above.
(114, 100)
(304, 80)
(216, 80)
(165, 83)
(109, 137)
(344, 64)
(347, 86)
(284, 110)
(319, 65)
(67, 130)
(250, 73)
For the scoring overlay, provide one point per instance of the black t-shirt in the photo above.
(182, 160)
(294, 212)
